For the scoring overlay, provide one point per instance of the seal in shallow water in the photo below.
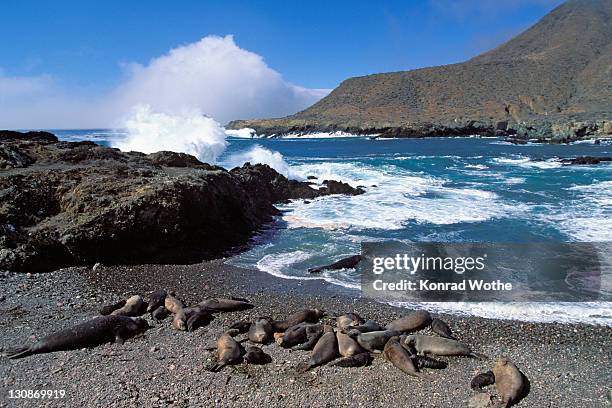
(100, 330)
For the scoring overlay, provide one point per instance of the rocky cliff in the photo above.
(65, 204)
(553, 80)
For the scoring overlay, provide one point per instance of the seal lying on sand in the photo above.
(226, 305)
(400, 358)
(358, 360)
(442, 329)
(307, 315)
(313, 334)
(345, 263)
(100, 330)
(439, 346)
(348, 321)
(156, 299)
(428, 362)
(509, 382)
(482, 380)
(373, 341)
(134, 306)
(347, 346)
(260, 331)
(369, 326)
(412, 322)
(323, 352)
(229, 352)
(176, 307)
(255, 355)
(108, 309)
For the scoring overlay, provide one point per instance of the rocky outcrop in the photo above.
(586, 160)
(551, 82)
(64, 203)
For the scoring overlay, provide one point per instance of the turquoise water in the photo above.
(437, 189)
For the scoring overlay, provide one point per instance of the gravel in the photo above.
(567, 365)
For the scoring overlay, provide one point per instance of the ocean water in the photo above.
(435, 189)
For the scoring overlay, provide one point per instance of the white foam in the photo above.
(526, 162)
(400, 196)
(476, 166)
(244, 133)
(189, 132)
(595, 313)
(323, 135)
(258, 154)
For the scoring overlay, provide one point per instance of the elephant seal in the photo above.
(428, 362)
(307, 315)
(482, 380)
(369, 326)
(156, 299)
(295, 335)
(412, 322)
(348, 321)
(358, 360)
(108, 309)
(442, 329)
(399, 357)
(439, 346)
(373, 341)
(509, 382)
(134, 306)
(226, 305)
(313, 334)
(100, 330)
(198, 318)
(172, 303)
(229, 352)
(255, 355)
(241, 327)
(160, 313)
(347, 346)
(260, 331)
(345, 263)
(323, 352)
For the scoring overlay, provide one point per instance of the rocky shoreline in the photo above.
(537, 130)
(78, 203)
(566, 364)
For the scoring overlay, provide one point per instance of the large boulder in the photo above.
(64, 204)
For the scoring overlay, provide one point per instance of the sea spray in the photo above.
(189, 132)
(258, 154)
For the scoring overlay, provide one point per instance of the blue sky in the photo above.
(84, 48)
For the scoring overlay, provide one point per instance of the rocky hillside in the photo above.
(78, 203)
(555, 79)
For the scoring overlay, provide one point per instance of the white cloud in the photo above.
(212, 75)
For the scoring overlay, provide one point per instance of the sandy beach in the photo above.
(567, 365)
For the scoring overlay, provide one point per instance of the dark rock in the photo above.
(66, 203)
(311, 178)
(345, 263)
(585, 160)
(339, 187)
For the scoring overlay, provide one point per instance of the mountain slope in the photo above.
(551, 76)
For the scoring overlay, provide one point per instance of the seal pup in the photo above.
(358, 360)
(229, 352)
(482, 380)
(411, 322)
(160, 313)
(348, 321)
(509, 382)
(226, 305)
(345, 263)
(156, 299)
(108, 309)
(134, 306)
(255, 355)
(441, 329)
(100, 330)
(373, 341)
(369, 326)
(323, 352)
(260, 331)
(307, 315)
(198, 318)
(399, 357)
(439, 346)
(347, 346)
(428, 362)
